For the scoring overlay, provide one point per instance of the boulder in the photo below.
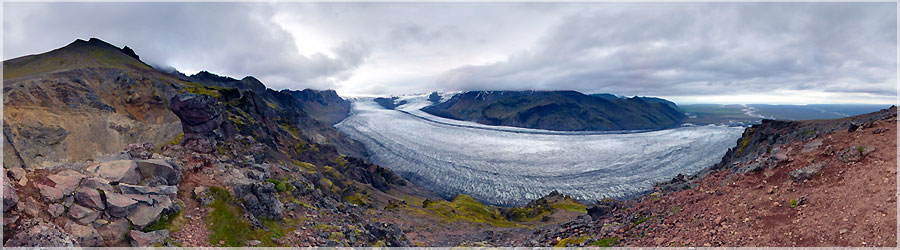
(97, 183)
(199, 114)
(121, 171)
(260, 199)
(114, 232)
(143, 215)
(66, 180)
(157, 172)
(56, 210)
(18, 176)
(9, 195)
(82, 214)
(32, 207)
(807, 172)
(89, 198)
(389, 233)
(86, 236)
(50, 194)
(850, 155)
(604, 208)
(142, 239)
(118, 205)
(37, 232)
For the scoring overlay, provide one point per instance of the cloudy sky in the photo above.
(689, 53)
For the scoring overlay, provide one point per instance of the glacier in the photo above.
(511, 166)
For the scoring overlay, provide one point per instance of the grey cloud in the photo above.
(705, 49)
(235, 39)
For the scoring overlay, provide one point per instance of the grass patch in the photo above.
(172, 222)
(464, 207)
(642, 220)
(794, 203)
(606, 242)
(860, 148)
(225, 222)
(281, 185)
(570, 240)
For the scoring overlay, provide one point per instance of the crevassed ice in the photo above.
(511, 166)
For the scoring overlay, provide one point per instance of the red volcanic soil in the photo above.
(845, 204)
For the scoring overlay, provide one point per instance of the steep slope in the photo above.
(557, 110)
(81, 101)
(91, 98)
(785, 184)
(324, 105)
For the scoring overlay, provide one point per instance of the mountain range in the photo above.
(559, 110)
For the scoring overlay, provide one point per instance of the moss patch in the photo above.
(225, 222)
(606, 242)
(464, 207)
(570, 240)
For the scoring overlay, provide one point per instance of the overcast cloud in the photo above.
(694, 52)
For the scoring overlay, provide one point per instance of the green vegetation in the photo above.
(464, 207)
(281, 185)
(606, 242)
(172, 222)
(642, 220)
(745, 140)
(570, 240)
(225, 222)
(794, 203)
(305, 166)
(676, 210)
(177, 139)
(860, 148)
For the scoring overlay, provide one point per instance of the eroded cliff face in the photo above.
(82, 101)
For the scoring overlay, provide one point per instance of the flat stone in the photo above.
(114, 232)
(140, 198)
(66, 180)
(56, 210)
(89, 198)
(121, 171)
(159, 190)
(86, 236)
(807, 172)
(17, 173)
(142, 239)
(158, 172)
(143, 215)
(82, 214)
(118, 205)
(97, 183)
(50, 194)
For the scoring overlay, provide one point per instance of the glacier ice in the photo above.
(511, 166)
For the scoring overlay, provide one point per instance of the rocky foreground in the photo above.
(790, 184)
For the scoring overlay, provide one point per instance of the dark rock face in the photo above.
(557, 110)
(40, 233)
(260, 199)
(128, 51)
(198, 113)
(368, 173)
(389, 103)
(603, 208)
(323, 105)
